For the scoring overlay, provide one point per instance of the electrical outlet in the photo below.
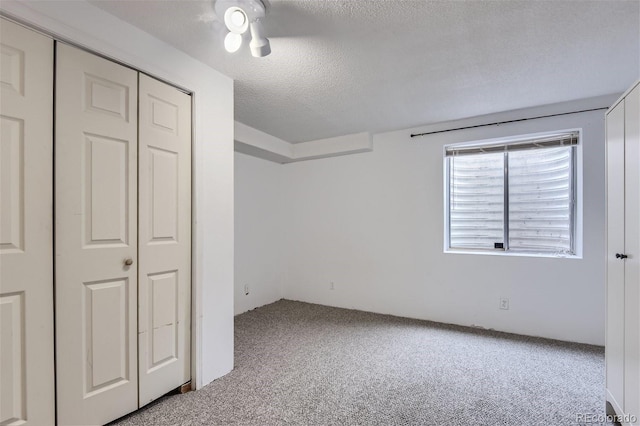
(246, 289)
(504, 303)
(332, 286)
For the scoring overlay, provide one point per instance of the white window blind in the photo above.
(517, 196)
(476, 218)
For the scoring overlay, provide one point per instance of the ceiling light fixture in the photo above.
(238, 17)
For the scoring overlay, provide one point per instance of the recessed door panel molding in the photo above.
(26, 205)
(164, 115)
(106, 364)
(12, 76)
(13, 404)
(163, 317)
(164, 206)
(96, 238)
(106, 190)
(11, 184)
(165, 238)
(105, 96)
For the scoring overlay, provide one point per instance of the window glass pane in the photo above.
(540, 190)
(476, 198)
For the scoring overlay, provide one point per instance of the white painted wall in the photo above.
(90, 27)
(259, 232)
(372, 223)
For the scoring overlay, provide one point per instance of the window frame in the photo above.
(575, 198)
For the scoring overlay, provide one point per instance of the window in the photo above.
(515, 196)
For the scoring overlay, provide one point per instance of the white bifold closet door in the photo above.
(123, 238)
(614, 348)
(26, 244)
(96, 238)
(622, 349)
(164, 285)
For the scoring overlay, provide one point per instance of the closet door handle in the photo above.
(128, 262)
(621, 256)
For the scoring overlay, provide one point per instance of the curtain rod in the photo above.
(413, 135)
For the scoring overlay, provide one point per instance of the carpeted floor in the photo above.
(303, 364)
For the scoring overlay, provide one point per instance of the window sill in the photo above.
(512, 254)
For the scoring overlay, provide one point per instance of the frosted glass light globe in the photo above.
(232, 42)
(238, 18)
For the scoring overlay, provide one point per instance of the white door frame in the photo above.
(84, 25)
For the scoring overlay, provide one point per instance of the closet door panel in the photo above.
(632, 249)
(96, 238)
(164, 238)
(614, 348)
(26, 244)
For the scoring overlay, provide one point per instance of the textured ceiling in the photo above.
(341, 67)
